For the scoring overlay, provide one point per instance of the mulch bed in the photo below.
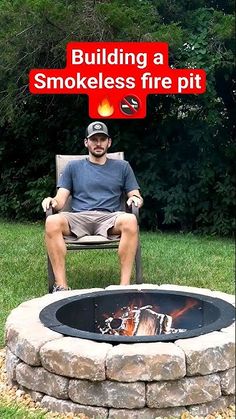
(13, 396)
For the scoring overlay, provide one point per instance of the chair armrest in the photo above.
(135, 211)
(50, 211)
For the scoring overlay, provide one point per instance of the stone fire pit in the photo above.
(126, 381)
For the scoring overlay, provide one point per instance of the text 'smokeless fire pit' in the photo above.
(137, 316)
(137, 352)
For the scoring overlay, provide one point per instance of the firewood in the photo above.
(152, 323)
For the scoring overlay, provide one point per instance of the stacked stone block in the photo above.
(127, 381)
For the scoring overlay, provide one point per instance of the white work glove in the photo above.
(49, 201)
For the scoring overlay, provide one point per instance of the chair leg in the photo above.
(51, 277)
(138, 265)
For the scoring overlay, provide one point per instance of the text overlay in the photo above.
(117, 77)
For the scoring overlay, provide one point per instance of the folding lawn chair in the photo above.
(91, 242)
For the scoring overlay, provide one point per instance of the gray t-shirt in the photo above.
(97, 187)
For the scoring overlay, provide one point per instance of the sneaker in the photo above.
(59, 288)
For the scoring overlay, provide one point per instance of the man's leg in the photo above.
(126, 225)
(56, 226)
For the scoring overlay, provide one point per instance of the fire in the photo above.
(136, 319)
(129, 327)
(179, 312)
(105, 108)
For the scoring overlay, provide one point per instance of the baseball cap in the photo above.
(96, 127)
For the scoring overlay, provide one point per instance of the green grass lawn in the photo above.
(167, 258)
(16, 412)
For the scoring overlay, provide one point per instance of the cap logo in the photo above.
(97, 126)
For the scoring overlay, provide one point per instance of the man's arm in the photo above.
(58, 201)
(135, 197)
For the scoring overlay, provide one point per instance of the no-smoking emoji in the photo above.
(129, 105)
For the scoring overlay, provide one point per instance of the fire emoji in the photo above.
(105, 108)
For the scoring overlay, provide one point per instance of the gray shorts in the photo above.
(89, 223)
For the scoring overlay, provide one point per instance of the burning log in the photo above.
(152, 323)
(143, 321)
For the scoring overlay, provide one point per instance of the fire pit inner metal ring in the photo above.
(80, 315)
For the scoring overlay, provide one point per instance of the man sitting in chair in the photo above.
(96, 185)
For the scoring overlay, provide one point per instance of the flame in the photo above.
(129, 322)
(128, 316)
(179, 312)
(105, 108)
(129, 327)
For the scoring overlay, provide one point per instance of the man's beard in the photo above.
(99, 153)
